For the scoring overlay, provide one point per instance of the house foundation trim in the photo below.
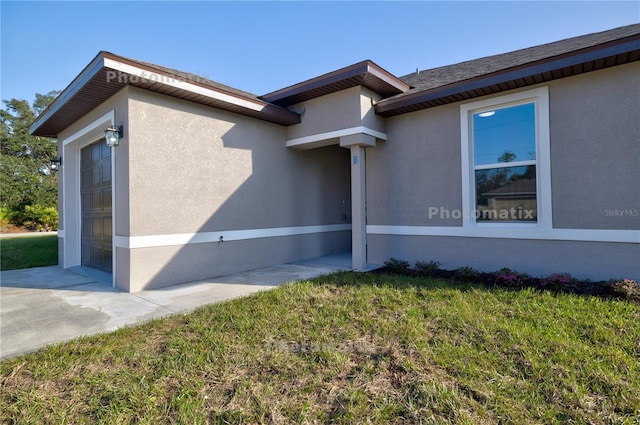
(152, 241)
(583, 235)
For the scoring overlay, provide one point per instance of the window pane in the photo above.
(505, 135)
(506, 194)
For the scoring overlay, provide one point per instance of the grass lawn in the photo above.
(28, 251)
(347, 348)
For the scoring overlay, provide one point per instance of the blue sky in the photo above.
(264, 46)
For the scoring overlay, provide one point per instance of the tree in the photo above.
(25, 175)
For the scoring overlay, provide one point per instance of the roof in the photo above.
(518, 188)
(516, 69)
(365, 73)
(108, 73)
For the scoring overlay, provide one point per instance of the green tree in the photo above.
(25, 175)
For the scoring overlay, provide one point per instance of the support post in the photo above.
(358, 208)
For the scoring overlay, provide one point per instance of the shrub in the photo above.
(38, 217)
(7, 216)
(466, 274)
(508, 277)
(396, 266)
(427, 268)
(628, 288)
(557, 281)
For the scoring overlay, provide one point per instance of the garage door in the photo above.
(95, 165)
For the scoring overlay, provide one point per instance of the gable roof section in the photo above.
(365, 73)
(108, 73)
(516, 69)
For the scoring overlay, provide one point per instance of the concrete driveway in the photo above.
(45, 305)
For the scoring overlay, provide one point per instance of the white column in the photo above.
(358, 208)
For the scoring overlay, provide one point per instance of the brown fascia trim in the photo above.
(360, 68)
(602, 51)
(269, 108)
(98, 63)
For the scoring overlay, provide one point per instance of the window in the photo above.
(505, 153)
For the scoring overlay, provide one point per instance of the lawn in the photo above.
(28, 251)
(348, 348)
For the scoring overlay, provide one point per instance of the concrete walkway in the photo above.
(45, 305)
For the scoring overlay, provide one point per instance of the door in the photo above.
(95, 189)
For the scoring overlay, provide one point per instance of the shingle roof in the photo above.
(521, 68)
(441, 76)
(518, 188)
(187, 76)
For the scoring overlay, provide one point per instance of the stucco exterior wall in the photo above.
(195, 169)
(199, 261)
(595, 149)
(198, 169)
(417, 168)
(335, 111)
(584, 260)
(595, 170)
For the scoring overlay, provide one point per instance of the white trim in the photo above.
(578, 235)
(108, 117)
(505, 164)
(134, 242)
(180, 84)
(402, 86)
(540, 97)
(335, 134)
(113, 214)
(60, 233)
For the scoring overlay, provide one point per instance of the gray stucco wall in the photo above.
(195, 169)
(418, 167)
(595, 149)
(584, 260)
(595, 157)
(337, 111)
(198, 261)
(595, 168)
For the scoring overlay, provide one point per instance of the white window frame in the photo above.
(540, 98)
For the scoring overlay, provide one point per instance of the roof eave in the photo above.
(466, 89)
(340, 79)
(160, 81)
(72, 89)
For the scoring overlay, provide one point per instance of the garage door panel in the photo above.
(106, 199)
(96, 201)
(96, 153)
(106, 227)
(87, 204)
(106, 173)
(85, 178)
(97, 251)
(96, 176)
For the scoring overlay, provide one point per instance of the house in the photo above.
(205, 179)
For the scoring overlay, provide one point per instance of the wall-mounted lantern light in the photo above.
(113, 135)
(55, 164)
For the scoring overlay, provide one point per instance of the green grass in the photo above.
(348, 348)
(28, 251)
